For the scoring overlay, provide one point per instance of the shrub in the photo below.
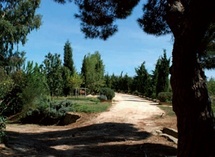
(102, 97)
(136, 93)
(165, 96)
(109, 93)
(47, 114)
(12, 102)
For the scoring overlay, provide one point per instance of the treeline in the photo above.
(25, 85)
(143, 83)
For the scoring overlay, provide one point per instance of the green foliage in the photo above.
(102, 97)
(123, 82)
(68, 60)
(165, 96)
(97, 17)
(211, 86)
(53, 71)
(160, 74)
(6, 84)
(88, 105)
(14, 62)
(92, 72)
(142, 80)
(66, 77)
(75, 81)
(207, 59)
(29, 86)
(49, 113)
(109, 93)
(46, 113)
(91, 107)
(35, 88)
(12, 100)
(17, 20)
(153, 20)
(211, 91)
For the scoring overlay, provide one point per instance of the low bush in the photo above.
(165, 96)
(136, 93)
(102, 97)
(47, 114)
(108, 92)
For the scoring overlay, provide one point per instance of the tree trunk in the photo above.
(191, 102)
(189, 21)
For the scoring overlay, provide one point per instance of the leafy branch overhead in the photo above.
(17, 20)
(98, 17)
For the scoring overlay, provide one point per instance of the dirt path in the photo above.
(132, 110)
(126, 130)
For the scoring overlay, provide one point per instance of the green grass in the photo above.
(91, 108)
(85, 104)
(167, 108)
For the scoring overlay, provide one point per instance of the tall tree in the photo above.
(161, 74)
(108, 81)
(93, 71)
(35, 89)
(53, 70)
(142, 80)
(66, 74)
(17, 20)
(68, 60)
(190, 22)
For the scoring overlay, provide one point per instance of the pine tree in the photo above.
(142, 80)
(161, 74)
(68, 60)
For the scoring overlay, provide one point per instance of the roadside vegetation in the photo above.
(85, 104)
(43, 94)
(29, 89)
(55, 110)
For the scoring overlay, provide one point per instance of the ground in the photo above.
(127, 129)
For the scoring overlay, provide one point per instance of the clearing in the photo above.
(127, 129)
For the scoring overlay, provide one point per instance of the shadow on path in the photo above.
(97, 140)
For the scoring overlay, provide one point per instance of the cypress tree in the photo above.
(68, 60)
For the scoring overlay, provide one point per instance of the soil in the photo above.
(127, 129)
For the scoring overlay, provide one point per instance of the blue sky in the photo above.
(124, 51)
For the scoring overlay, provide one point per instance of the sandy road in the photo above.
(126, 109)
(131, 109)
(125, 130)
